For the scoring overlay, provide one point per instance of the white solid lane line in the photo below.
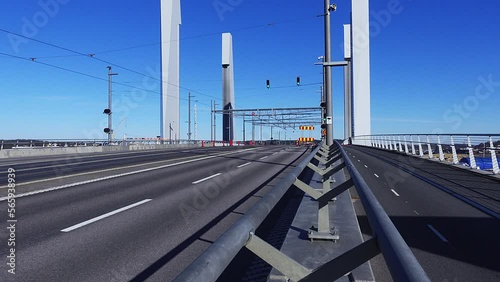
(437, 233)
(376, 175)
(76, 226)
(275, 153)
(207, 178)
(395, 193)
(416, 212)
(129, 156)
(263, 158)
(243, 165)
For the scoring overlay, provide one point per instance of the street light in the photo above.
(328, 73)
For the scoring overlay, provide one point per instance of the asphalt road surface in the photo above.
(128, 216)
(447, 216)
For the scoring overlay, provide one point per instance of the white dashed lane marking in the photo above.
(87, 222)
(206, 178)
(245, 164)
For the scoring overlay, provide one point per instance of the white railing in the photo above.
(477, 149)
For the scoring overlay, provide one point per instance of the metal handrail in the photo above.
(432, 134)
(400, 260)
(386, 239)
(59, 143)
(217, 257)
(443, 142)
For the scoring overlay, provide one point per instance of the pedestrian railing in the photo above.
(438, 146)
(401, 262)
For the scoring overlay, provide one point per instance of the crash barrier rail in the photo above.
(473, 146)
(60, 143)
(401, 262)
(55, 143)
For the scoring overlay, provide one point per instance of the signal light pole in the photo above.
(108, 111)
(189, 116)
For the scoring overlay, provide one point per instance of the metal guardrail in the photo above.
(400, 260)
(217, 257)
(386, 239)
(471, 145)
(62, 143)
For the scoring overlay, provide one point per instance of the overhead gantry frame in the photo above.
(278, 117)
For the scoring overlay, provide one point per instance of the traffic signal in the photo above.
(107, 130)
(107, 111)
(323, 126)
(322, 104)
(268, 84)
(298, 80)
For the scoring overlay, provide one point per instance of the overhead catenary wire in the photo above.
(208, 34)
(92, 55)
(106, 62)
(87, 75)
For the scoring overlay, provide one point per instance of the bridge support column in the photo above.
(361, 67)
(227, 88)
(170, 68)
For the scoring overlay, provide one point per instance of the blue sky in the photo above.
(434, 64)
